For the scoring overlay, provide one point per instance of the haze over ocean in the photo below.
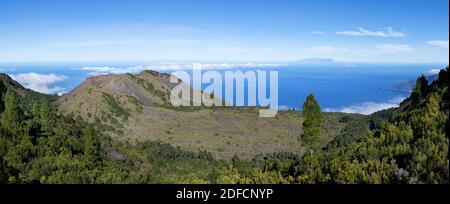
(355, 88)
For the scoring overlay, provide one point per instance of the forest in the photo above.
(405, 145)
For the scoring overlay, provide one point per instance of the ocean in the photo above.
(359, 88)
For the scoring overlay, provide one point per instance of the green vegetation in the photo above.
(409, 146)
(404, 145)
(149, 87)
(115, 106)
(356, 129)
(152, 72)
(313, 123)
(136, 102)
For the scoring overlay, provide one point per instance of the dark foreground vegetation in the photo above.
(404, 145)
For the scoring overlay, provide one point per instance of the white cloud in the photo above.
(40, 82)
(94, 71)
(394, 48)
(285, 108)
(397, 100)
(389, 32)
(439, 43)
(392, 33)
(317, 32)
(367, 108)
(112, 70)
(433, 71)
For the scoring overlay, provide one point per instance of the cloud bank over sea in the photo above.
(101, 70)
(41, 82)
(369, 107)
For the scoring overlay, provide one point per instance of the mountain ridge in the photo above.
(137, 108)
(407, 86)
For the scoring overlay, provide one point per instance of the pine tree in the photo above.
(313, 122)
(420, 89)
(47, 117)
(443, 77)
(91, 143)
(2, 91)
(13, 115)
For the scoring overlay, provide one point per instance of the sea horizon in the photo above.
(361, 88)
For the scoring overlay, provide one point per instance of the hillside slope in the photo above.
(8, 83)
(136, 108)
(408, 86)
(27, 98)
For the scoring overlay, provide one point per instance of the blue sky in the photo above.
(404, 31)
